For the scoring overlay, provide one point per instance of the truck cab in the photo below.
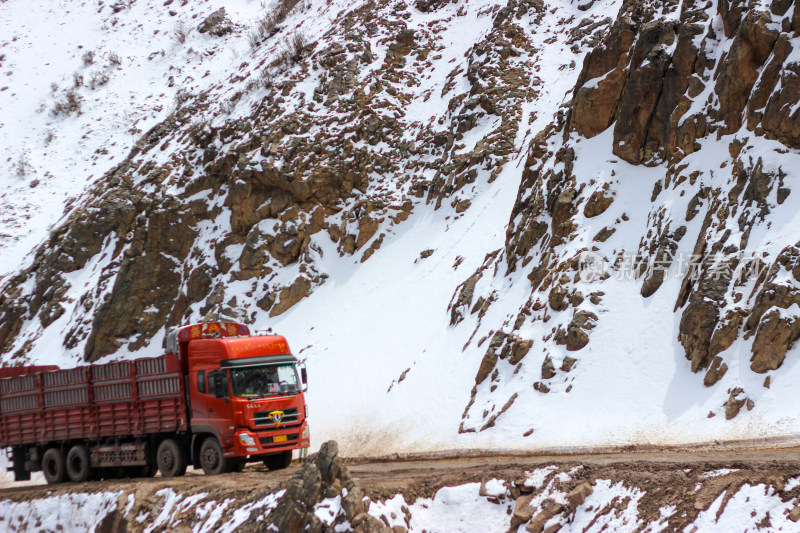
(246, 391)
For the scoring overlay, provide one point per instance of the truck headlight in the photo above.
(306, 433)
(246, 440)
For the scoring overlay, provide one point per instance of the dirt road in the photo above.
(422, 477)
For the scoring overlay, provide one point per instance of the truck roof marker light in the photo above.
(212, 330)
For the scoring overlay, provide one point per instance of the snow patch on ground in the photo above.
(752, 508)
(459, 509)
(66, 512)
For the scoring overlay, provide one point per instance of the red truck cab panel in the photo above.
(248, 421)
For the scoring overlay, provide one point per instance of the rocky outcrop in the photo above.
(324, 476)
(147, 282)
(649, 71)
(775, 318)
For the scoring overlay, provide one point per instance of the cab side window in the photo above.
(218, 384)
(201, 381)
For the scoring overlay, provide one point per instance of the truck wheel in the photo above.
(53, 466)
(171, 458)
(211, 458)
(79, 469)
(279, 460)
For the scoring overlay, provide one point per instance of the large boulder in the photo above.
(324, 476)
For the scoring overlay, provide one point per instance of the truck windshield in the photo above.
(268, 380)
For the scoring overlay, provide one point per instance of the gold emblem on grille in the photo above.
(276, 416)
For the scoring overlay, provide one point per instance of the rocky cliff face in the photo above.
(668, 164)
(705, 96)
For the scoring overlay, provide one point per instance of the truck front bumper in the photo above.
(267, 442)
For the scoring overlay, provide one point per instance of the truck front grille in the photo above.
(289, 417)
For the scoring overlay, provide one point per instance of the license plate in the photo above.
(279, 438)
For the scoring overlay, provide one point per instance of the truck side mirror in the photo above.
(304, 375)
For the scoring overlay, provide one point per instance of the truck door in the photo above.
(218, 407)
(199, 396)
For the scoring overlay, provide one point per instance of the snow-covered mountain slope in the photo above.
(411, 192)
(122, 65)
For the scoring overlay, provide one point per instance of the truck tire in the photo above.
(212, 460)
(53, 466)
(171, 458)
(278, 461)
(78, 467)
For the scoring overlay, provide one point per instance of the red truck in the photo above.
(218, 399)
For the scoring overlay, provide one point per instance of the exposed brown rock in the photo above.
(149, 278)
(597, 204)
(643, 88)
(777, 123)
(715, 372)
(700, 318)
(519, 349)
(461, 301)
(299, 289)
(727, 331)
(217, 24)
(733, 405)
(604, 234)
(601, 81)
(493, 418)
(548, 369)
(696, 328)
(562, 215)
(557, 299)
(522, 511)
(323, 476)
(536, 525)
(487, 365)
(775, 329)
(367, 227)
(662, 250)
(578, 495)
(577, 335)
(740, 70)
(775, 335)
